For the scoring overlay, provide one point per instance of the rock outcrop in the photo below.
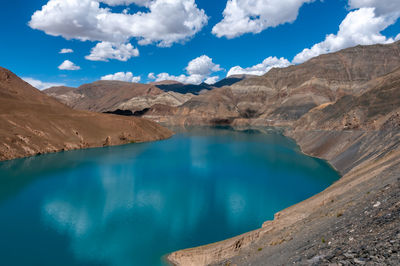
(33, 123)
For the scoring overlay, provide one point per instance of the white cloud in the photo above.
(211, 80)
(254, 16)
(40, 85)
(122, 76)
(260, 69)
(382, 7)
(202, 65)
(361, 26)
(66, 51)
(192, 79)
(166, 21)
(198, 70)
(126, 2)
(104, 51)
(68, 65)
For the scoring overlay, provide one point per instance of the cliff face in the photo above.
(33, 123)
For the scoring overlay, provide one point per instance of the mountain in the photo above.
(102, 95)
(182, 88)
(378, 108)
(228, 81)
(110, 96)
(284, 95)
(33, 123)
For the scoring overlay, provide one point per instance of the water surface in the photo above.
(132, 204)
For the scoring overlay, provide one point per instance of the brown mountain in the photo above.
(284, 95)
(101, 96)
(378, 108)
(32, 123)
(110, 96)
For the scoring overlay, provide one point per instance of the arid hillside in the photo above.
(284, 95)
(33, 123)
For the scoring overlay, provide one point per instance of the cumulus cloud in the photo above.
(192, 79)
(260, 69)
(361, 26)
(244, 16)
(40, 85)
(382, 7)
(66, 51)
(68, 65)
(104, 51)
(202, 65)
(198, 70)
(211, 80)
(165, 22)
(126, 2)
(122, 76)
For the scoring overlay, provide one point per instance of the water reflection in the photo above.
(130, 205)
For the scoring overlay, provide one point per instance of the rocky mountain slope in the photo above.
(134, 98)
(33, 123)
(378, 108)
(284, 95)
(108, 96)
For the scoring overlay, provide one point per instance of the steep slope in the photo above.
(378, 108)
(284, 95)
(33, 123)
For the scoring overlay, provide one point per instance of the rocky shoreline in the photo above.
(330, 227)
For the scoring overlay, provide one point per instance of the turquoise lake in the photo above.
(132, 204)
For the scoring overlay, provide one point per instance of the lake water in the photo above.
(132, 204)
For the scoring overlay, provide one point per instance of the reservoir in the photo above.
(132, 204)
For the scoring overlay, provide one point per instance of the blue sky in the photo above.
(244, 36)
